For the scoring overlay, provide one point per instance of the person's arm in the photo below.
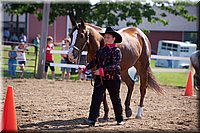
(93, 62)
(25, 46)
(9, 54)
(63, 55)
(116, 61)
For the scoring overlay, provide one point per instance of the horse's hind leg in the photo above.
(130, 84)
(143, 86)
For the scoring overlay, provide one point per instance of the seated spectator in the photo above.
(22, 38)
(14, 38)
(6, 34)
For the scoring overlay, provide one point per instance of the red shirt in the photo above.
(49, 56)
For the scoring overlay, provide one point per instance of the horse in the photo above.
(136, 51)
(195, 63)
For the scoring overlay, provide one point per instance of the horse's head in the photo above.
(80, 40)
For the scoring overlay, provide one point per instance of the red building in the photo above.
(58, 30)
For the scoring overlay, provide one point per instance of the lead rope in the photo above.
(101, 78)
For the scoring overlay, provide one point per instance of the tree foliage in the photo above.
(105, 13)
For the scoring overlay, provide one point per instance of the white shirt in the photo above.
(21, 54)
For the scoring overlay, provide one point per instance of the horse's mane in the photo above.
(97, 28)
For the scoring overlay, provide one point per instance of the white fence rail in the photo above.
(153, 57)
(169, 57)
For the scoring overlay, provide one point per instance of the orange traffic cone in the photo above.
(189, 87)
(9, 121)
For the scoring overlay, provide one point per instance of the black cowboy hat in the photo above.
(118, 37)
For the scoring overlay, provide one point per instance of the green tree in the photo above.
(108, 13)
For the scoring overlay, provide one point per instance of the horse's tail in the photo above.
(151, 80)
(153, 84)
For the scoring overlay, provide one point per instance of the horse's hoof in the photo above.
(138, 117)
(128, 112)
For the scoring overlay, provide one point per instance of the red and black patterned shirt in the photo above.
(109, 59)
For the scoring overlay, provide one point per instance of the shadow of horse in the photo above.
(58, 125)
(67, 125)
(77, 123)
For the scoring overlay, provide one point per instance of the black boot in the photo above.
(89, 122)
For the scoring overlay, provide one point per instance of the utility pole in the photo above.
(42, 53)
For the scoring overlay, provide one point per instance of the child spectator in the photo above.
(49, 58)
(83, 61)
(12, 61)
(64, 59)
(21, 57)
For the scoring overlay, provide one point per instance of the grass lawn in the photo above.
(174, 79)
(170, 78)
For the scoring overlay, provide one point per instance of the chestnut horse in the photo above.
(136, 50)
(195, 62)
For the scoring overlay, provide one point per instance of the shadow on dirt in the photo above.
(63, 125)
(56, 125)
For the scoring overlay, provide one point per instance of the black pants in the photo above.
(113, 87)
(47, 63)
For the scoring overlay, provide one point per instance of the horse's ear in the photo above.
(82, 22)
(73, 21)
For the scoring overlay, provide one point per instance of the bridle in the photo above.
(84, 45)
(79, 50)
(86, 42)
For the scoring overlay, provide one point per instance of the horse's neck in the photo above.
(95, 41)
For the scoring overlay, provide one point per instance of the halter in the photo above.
(79, 53)
(84, 45)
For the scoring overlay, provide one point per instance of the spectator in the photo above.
(23, 38)
(36, 41)
(6, 34)
(49, 58)
(21, 57)
(14, 38)
(12, 61)
(83, 61)
(65, 60)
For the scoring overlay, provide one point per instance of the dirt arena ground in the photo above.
(46, 105)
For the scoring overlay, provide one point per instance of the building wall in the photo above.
(57, 30)
(155, 36)
(173, 31)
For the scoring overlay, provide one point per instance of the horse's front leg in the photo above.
(127, 102)
(105, 105)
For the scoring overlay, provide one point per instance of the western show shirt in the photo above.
(109, 59)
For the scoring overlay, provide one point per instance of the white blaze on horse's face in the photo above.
(73, 42)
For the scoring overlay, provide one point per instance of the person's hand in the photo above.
(83, 68)
(100, 72)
